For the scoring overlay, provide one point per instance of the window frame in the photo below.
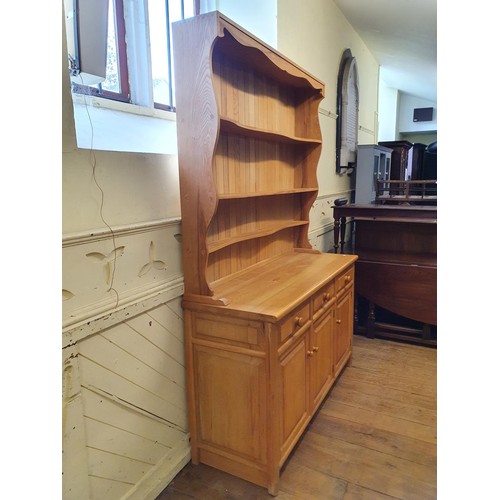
(126, 94)
(123, 74)
(159, 105)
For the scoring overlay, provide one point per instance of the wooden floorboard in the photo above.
(373, 438)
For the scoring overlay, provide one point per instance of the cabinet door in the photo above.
(344, 323)
(320, 356)
(294, 396)
(231, 399)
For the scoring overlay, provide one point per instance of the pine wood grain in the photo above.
(374, 437)
(248, 127)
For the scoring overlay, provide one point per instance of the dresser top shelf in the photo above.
(234, 41)
(249, 142)
(273, 288)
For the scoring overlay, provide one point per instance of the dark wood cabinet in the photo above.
(400, 162)
(397, 267)
(417, 169)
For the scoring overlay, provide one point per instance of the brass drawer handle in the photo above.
(310, 353)
(326, 296)
(338, 321)
(315, 349)
(299, 321)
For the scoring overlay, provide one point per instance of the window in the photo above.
(139, 66)
(348, 112)
(161, 15)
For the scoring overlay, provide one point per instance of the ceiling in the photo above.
(402, 36)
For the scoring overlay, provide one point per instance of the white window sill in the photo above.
(102, 124)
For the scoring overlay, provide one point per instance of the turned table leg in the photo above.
(342, 234)
(336, 223)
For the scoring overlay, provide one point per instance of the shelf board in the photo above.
(231, 127)
(260, 233)
(233, 196)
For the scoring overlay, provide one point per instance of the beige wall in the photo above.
(419, 138)
(137, 187)
(124, 414)
(315, 35)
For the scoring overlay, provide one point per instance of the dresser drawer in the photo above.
(294, 321)
(323, 299)
(227, 330)
(344, 280)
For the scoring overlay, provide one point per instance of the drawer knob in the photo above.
(310, 353)
(299, 320)
(326, 296)
(338, 321)
(347, 279)
(315, 349)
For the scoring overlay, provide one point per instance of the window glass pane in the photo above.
(175, 10)
(159, 51)
(112, 82)
(188, 8)
(178, 9)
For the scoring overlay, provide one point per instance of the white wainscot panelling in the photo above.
(132, 380)
(106, 271)
(322, 239)
(125, 431)
(321, 221)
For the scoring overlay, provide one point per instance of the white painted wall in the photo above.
(405, 124)
(106, 125)
(396, 115)
(388, 100)
(315, 35)
(257, 16)
(135, 187)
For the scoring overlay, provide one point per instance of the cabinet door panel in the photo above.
(344, 323)
(294, 402)
(320, 356)
(231, 396)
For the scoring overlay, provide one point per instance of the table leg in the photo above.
(342, 234)
(336, 224)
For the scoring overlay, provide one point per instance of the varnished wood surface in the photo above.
(248, 127)
(273, 288)
(374, 437)
(397, 266)
(261, 365)
(408, 290)
(260, 304)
